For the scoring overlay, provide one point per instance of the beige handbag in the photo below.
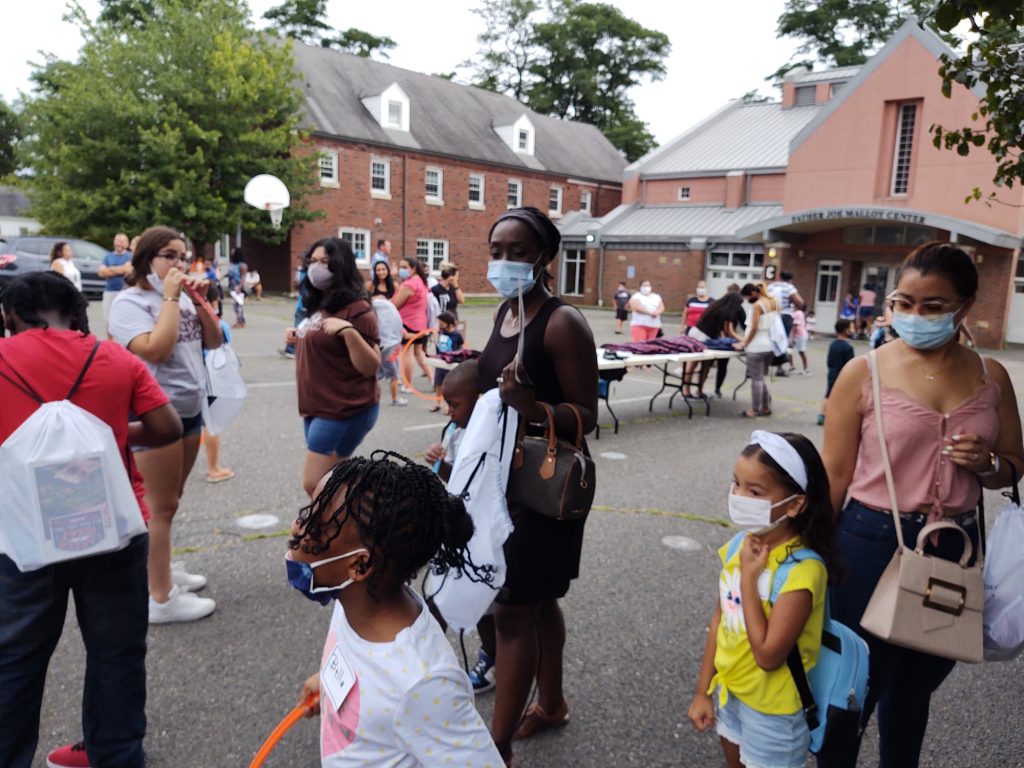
(923, 602)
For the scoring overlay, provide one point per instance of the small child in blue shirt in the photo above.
(448, 340)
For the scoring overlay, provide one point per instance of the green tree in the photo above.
(124, 14)
(300, 19)
(842, 33)
(507, 47)
(9, 134)
(165, 123)
(578, 64)
(360, 43)
(305, 20)
(994, 59)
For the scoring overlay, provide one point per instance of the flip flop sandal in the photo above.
(745, 415)
(228, 474)
(536, 720)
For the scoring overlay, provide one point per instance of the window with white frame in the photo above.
(524, 139)
(359, 239)
(555, 201)
(586, 196)
(327, 165)
(394, 114)
(380, 177)
(574, 267)
(904, 148)
(476, 190)
(433, 253)
(434, 185)
(515, 194)
(684, 193)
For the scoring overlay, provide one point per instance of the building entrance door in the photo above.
(826, 295)
(882, 279)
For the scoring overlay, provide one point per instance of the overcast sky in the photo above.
(720, 49)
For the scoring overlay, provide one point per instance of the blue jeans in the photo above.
(112, 606)
(901, 681)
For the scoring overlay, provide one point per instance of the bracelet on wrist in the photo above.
(994, 466)
(170, 299)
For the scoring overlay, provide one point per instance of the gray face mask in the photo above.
(320, 276)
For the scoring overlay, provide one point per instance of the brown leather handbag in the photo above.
(550, 476)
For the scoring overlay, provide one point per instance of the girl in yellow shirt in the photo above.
(780, 497)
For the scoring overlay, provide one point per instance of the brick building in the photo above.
(429, 164)
(836, 183)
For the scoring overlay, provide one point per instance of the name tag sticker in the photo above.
(764, 584)
(337, 677)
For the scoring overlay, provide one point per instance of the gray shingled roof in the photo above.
(682, 222)
(446, 118)
(13, 202)
(740, 137)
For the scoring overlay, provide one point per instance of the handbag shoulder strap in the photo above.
(876, 393)
(579, 423)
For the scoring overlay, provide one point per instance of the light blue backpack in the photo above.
(833, 693)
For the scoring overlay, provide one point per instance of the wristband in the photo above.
(175, 299)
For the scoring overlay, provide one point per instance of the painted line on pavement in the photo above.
(664, 513)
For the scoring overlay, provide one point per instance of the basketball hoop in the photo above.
(268, 193)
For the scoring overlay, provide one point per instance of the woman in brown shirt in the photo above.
(336, 359)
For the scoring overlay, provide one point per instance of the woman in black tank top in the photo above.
(542, 555)
(381, 283)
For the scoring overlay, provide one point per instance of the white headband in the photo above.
(783, 454)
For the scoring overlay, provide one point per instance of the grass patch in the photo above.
(717, 521)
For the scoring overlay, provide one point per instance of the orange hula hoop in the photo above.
(275, 736)
(432, 398)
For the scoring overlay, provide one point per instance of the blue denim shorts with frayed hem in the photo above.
(765, 741)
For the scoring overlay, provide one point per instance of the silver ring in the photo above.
(975, 456)
(498, 379)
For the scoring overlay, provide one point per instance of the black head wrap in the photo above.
(547, 233)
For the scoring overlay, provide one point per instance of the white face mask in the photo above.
(645, 290)
(752, 513)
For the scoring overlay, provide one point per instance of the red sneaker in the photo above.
(68, 756)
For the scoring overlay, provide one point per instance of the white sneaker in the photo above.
(402, 401)
(180, 606)
(805, 372)
(405, 390)
(190, 582)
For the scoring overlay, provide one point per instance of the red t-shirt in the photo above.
(116, 384)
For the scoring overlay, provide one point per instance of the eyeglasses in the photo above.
(171, 256)
(898, 302)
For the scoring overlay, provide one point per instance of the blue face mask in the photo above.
(403, 273)
(508, 276)
(924, 332)
(300, 576)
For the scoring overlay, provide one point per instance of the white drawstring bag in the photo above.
(1004, 582)
(66, 492)
(226, 388)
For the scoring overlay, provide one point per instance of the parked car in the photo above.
(19, 255)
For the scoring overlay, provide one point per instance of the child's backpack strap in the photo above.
(782, 572)
(734, 545)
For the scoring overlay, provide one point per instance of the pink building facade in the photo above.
(836, 183)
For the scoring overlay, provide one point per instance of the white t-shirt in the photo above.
(70, 271)
(183, 375)
(782, 292)
(389, 321)
(410, 703)
(650, 303)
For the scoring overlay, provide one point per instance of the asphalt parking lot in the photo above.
(636, 617)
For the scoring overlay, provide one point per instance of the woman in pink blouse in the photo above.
(951, 427)
(411, 300)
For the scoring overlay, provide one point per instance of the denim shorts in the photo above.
(765, 741)
(340, 437)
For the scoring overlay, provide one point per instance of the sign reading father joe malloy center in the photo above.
(882, 214)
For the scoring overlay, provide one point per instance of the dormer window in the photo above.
(395, 114)
(517, 133)
(805, 96)
(390, 107)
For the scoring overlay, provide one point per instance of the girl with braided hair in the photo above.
(391, 690)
